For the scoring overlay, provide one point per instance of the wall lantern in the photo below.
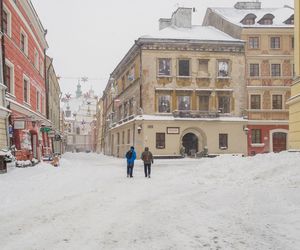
(139, 129)
(246, 130)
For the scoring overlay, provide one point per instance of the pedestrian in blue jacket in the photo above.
(130, 156)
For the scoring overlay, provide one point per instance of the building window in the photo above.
(223, 141)
(123, 137)
(224, 104)
(184, 67)
(203, 67)
(164, 104)
(42, 68)
(276, 69)
(255, 102)
(131, 75)
(26, 90)
(275, 42)
(256, 136)
(36, 59)
(24, 43)
(78, 131)
(38, 101)
(254, 69)
(118, 138)
(204, 102)
(128, 136)
(125, 109)
(160, 140)
(223, 69)
(184, 102)
(6, 20)
(253, 42)
(9, 77)
(292, 42)
(164, 67)
(276, 101)
(131, 107)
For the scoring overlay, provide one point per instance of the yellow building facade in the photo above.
(180, 90)
(294, 102)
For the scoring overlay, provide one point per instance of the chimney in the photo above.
(248, 5)
(182, 18)
(164, 23)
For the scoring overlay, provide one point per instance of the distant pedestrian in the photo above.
(130, 156)
(147, 158)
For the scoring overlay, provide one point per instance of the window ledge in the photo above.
(223, 148)
(184, 77)
(203, 77)
(224, 77)
(10, 95)
(164, 76)
(257, 145)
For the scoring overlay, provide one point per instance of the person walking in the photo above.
(147, 158)
(130, 156)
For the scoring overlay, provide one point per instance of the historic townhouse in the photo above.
(269, 37)
(294, 102)
(53, 95)
(24, 46)
(182, 88)
(4, 112)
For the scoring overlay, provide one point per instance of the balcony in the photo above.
(194, 114)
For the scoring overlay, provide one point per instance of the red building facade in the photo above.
(24, 46)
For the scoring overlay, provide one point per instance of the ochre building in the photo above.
(269, 36)
(179, 91)
(294, 102)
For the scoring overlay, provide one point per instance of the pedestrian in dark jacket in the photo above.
(130, 156)
(147, 158)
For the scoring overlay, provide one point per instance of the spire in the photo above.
(78, 91)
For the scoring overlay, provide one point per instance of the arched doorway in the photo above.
(190, 143)
(279, 141)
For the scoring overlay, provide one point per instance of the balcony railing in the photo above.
(195, 114)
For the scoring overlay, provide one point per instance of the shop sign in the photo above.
(19, 124)
(173, 130)
(45, 129)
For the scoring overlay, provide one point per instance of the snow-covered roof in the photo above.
(235, 16)
(196, 32)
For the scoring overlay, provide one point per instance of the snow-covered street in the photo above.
(88, 203)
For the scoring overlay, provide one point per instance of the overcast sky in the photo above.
(89, 37)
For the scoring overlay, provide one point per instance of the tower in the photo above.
(78, 91)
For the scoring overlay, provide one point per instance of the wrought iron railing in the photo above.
(195, 114)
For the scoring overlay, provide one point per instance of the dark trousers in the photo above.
(129, 170)
(147, 169)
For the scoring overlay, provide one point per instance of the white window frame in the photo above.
(26, 42)
(38, 101)
(273, 63)
(261, 101)
(259, 69)
(42, 70)
(12, 78)
(28, 89)
(8, 20)
(282, 101)
(36, 59)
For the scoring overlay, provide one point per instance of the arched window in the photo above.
(267, 19)
(249, 19)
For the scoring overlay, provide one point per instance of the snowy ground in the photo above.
(88, 203)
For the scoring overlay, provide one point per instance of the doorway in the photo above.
(279, 142)
(190, 143)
